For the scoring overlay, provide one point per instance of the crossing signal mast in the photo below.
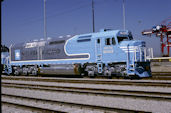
(163, 30)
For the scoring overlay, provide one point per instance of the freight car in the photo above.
(105, 53)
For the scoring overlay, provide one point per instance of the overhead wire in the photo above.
(64, 12)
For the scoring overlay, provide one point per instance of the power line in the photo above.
(61, 13)
(57, 14)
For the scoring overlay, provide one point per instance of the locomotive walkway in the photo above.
(97, 95)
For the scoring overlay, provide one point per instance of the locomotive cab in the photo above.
(137, 64)
(115, 54)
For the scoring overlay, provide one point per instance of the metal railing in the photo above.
(142, 54)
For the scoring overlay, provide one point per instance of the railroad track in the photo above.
(28, 107)
(47, 105)
(85, 95)
(162, 73)
(155, 76)
(151, 95)
(161, 76)
(92, 81)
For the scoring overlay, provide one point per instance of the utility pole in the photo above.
(45, 29)
(123, 6)
(93, 15)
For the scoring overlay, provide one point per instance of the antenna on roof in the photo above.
(93, 15)
(123, 6)
(45, 29)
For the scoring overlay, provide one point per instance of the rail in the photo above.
(71, 105)
(152, 95)
(94, 97)
(92, 81)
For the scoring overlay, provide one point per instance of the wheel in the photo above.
(91, 74)
(16, 73)
(108, 74)
(25, 73)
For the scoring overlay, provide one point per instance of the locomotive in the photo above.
(105, 53)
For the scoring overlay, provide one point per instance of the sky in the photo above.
(23, 20)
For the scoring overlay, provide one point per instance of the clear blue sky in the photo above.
(22, 20)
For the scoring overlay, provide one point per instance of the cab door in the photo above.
(98, 50)
(98, 54)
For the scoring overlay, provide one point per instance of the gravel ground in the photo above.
(57, 107)
(99, 86)
(13, 109)
(127, 103)
(161, 66)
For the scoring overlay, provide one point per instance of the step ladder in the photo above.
(130, 64)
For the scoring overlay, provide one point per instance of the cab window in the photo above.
(113, 41)
(98, 41)
(122, 38)
(130, 36)
(107, 41)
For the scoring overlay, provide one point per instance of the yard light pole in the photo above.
(123, 6)
(93, 15)
(45, 29)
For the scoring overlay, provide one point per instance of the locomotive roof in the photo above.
(48, 40)
(60, 39)
(107, 32)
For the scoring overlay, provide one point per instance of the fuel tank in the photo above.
(60, 69)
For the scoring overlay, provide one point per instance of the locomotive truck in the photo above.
(105, 53)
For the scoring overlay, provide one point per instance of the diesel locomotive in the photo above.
(105, 53)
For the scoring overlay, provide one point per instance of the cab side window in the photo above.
(113, 41)
(107, 41)
(98, 41)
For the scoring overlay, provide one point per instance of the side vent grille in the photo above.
(84, 38)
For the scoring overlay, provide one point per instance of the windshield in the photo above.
(122, 38)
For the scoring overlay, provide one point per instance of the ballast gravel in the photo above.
(98, 86)
(118, 102)
(13, 109)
